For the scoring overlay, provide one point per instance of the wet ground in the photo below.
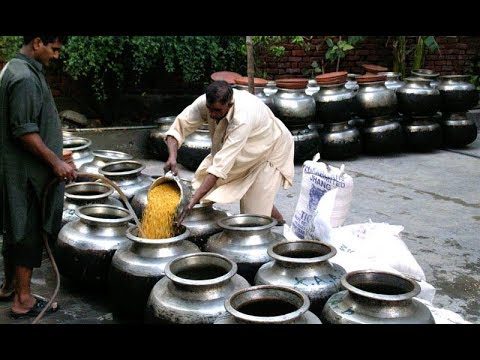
(435, 196)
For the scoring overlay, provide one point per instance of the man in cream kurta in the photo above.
(251, 154)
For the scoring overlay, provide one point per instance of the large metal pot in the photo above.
(458, 130)
(418, 98)
(268, 304)
(427, 74)
(306, 142)
(304, 266)
(334, 103)
(380, 136)
(100, 159)
(127, 175)
(202, 222)
(80, 148)
(195, 148)
(156, 139)
(245, 239)
(422, 134)
(84, 193)
(393, 81)
(85, 247)
(375, 100)
(193, 290)
(376, 297)
(137, 267)
(457, 94)
(340, 141)
(294, 107)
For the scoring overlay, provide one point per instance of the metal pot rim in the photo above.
(271, 252)
(185, 234)
(176, 279)
(267, 319)
(355, 290)
(223, 225)
(88, 197)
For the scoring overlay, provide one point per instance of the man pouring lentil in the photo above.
(251, 154)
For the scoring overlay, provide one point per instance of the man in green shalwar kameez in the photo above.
(30, 158)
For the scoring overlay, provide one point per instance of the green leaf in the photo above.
(347, 47)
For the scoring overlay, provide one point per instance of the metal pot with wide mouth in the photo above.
(139, 265)
(376, 297)
(193, 290)
(268, 304)
(80, 148)
(457, 94)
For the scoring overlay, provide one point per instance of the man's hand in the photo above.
(64, 171)
(171, 165)
(207, 184)
(185, 212)
(68, 157)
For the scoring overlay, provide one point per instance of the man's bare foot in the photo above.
(39, 304)
(278, 216)
(22, 304)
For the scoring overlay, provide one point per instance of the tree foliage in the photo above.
(109, 61)
(337, 49)
(9, 46)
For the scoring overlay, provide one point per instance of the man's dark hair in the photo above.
(46, 38)
(219, 91)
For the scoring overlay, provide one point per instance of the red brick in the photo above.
(298, 53)
(293, 71)
(452, 39)
(294, 59)
(362, 52)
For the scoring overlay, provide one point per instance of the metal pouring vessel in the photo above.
(185, 192)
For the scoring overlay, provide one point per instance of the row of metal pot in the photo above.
(310, 113)
(171, 281)
(371, 97)
(98, 246)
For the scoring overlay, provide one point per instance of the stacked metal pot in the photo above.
(334, 104)
(457, 96)
(382, 133)
(419, 102)
(297, 110)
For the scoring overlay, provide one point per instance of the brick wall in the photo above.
(452, 58)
